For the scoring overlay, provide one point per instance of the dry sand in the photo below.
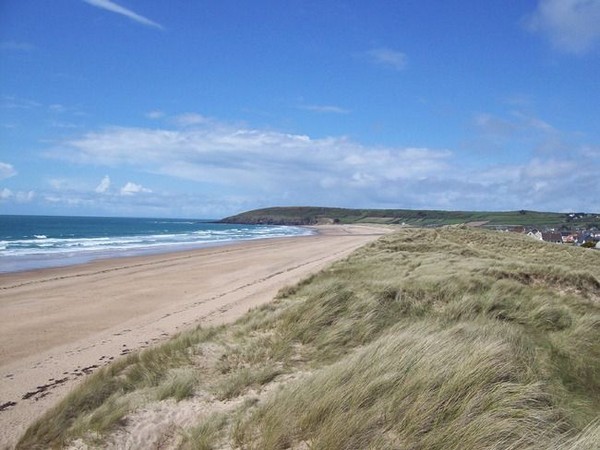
(59, 325)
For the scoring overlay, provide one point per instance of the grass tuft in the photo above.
(101, 402)
(204, 436)
(179, 384)
(421, 387)
(239, 381)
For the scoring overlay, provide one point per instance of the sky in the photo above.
(204, 109)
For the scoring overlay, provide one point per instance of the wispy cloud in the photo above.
(326, 109)
(388, 57)
(174, 204)
(516, 123)
(5, 194)
(266, 167)
(17, 197)
(592, 152)
(57, 108)
(6, 171)
(12, 102)
(118, 9)
(498, 133)
(190, 119)
(155, 114)
(104, 185)
(570, 25)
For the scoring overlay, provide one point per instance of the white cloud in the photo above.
(58, 183)
(132, 188)
(18, 197)
(155, 114)
(6, 171)
(6, 194)
(388, 57)
(190, 119)
(227, 155)
(541, 165)
(104, 185)
(157, 204)
(113, 7)
(326, 109)
(540, 184)
(24, 196)
(571, 26)
(261, 167)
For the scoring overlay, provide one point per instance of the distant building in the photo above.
(569, 238)
(552, 236)
(536, 234)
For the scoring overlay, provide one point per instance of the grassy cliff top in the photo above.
(318, 215)
(451, 338)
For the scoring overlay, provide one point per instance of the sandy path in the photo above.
(58, 325)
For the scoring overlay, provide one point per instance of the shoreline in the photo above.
(58, 325)
(42, 261)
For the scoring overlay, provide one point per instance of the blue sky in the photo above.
(208, 108)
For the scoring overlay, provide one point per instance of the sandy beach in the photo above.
(59, 325)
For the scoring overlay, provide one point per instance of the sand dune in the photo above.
(58, 325)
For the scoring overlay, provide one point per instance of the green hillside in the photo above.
(427, 339)
(318, 215)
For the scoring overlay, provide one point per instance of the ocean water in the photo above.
(34, 242)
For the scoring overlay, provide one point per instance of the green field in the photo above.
(451, 338)
(423, 218)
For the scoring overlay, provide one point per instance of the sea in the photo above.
(36, 242)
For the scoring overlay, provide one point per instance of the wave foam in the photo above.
(52, 251)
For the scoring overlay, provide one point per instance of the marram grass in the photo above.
(426, 339)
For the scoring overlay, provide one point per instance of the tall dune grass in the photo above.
(103, 400)
(425, 339)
